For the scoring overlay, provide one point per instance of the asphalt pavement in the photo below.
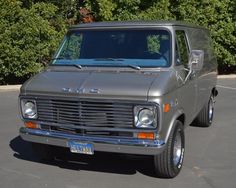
(210, 160)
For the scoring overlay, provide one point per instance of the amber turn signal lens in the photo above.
(146, 136)
(31, 125)
(166, 107)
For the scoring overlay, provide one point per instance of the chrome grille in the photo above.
(85, 113)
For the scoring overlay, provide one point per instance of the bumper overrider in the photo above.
(105, 144)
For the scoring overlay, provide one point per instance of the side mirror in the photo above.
(196, 60)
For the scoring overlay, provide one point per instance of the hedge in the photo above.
(31, 30)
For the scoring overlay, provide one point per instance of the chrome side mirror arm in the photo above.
(195, 62)
(190, 71)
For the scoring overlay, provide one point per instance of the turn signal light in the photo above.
(31, 125)
(150, 136)
(166, 107)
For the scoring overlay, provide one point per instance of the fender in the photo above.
(177, 114)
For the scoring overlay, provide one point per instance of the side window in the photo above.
(182, 50)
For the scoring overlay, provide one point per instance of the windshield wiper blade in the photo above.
(108, 59)
(136, 67)
(75, 65)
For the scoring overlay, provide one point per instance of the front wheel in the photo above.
(169, 163)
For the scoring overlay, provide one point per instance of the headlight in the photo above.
(145, 116)
(28, 108)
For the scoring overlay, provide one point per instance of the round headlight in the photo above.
(146, 116)
(29, 109)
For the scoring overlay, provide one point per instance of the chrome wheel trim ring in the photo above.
(177, 149)
(210, 110)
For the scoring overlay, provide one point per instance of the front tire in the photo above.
(169, 163)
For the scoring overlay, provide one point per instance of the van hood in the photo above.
(131, 85)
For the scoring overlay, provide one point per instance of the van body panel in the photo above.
(104, 104)
(110, 85)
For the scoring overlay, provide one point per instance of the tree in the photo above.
(28, 37)
(219, 17)
(216, 15)
(31, 29)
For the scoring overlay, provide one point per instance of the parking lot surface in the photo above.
(210, 160)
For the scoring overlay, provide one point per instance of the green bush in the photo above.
(31, 29)
(216, 15)
(219, 17)
(28, 38)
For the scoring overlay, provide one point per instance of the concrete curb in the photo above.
(226, 76)
(17, 87)
(10, 87)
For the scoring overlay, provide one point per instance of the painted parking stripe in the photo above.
(226, 87)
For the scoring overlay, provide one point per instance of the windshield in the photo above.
(142, 48)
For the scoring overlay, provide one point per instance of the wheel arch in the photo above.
(180, 116)
(214, 92)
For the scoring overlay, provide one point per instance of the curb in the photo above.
(10, 87)
(226, 76)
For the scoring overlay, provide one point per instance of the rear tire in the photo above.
(205, 117)
(169, 163)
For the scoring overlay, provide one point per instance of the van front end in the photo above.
(88, 125)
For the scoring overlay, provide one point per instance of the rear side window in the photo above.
(182, 50)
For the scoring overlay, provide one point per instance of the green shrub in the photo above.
(31, 29)
(28, 38)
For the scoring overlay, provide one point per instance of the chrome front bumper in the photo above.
(117, 145)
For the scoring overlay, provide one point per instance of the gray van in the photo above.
(124, 87)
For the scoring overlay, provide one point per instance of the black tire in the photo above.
(205, 117)
(42, 151)
(169, 163)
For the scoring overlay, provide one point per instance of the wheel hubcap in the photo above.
(177, 149)
(211, 109)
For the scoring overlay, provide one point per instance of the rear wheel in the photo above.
(205, 117)
(169, 163)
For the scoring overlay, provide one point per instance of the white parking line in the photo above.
(226, 87)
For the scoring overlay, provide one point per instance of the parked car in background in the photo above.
(124, 87)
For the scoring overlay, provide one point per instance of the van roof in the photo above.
(130, 24)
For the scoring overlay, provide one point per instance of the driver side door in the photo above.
(187, 92)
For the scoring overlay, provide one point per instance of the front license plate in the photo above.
(81, 147)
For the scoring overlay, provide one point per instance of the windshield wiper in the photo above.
(75, 65)
(136, 67)
(108, 59)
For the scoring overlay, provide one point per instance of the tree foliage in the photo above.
(31, 29)
(219, 17)
(27, 38)
(216, 15)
